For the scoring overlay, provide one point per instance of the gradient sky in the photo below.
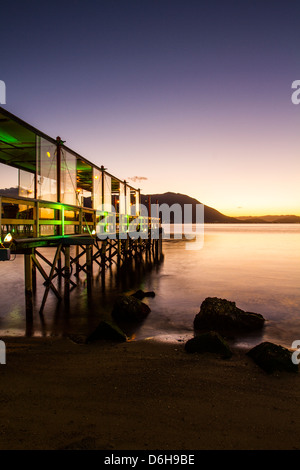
(193, 95)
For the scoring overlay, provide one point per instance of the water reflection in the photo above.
(258, 267)
(89, 303)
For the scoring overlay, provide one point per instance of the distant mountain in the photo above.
(273, 219)
(254, 220)
(287, 219)
(10, 192)
(211, 216)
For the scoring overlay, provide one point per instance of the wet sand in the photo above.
(141, 395)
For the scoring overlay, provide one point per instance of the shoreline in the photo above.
(141, 395)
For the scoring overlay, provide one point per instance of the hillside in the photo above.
(254, 220)
(10, 192)
(287, 219)
(274, 219)
(211, 216)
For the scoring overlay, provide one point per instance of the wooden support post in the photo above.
(58, 163)
(28, 287)
(80, 220)
(160, 243)
(141, 247)
(33, 267)
(103, 263)
(109, 252)
(126, 248)
(89, 265)
(37, 220)
(58, 182)
(103, 254)
(59, 268)
(67, 274)
(77, 261)
(119, 249)
(156, 246)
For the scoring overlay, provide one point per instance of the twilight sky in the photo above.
(190, 96)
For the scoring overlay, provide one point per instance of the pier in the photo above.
(88, 217)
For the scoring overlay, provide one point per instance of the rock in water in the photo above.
(208, 342)
(129, 309)
(107, 330)
(224, 316)
(140, 294)
(272, 357)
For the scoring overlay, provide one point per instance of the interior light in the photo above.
(8, 238)
(94, 232)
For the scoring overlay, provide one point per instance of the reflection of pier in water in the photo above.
(100, 270)
(90, 219)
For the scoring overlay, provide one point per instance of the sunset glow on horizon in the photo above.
(188, 97)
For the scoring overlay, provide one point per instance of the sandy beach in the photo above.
(141, 395)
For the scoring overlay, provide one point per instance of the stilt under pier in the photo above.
(89, 252)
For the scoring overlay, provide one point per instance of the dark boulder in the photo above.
(129, 309)
(78, 339)
(140, 294)
(107, 330)
(208, 342)
(272, 357)
(224, 316)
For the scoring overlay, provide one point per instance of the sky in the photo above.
(187, 96)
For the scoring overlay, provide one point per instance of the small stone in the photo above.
(129, 309)
(208, 342)
(107, 330)
(272, 357)
(140, 294)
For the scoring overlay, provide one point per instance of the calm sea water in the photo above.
(256, 266)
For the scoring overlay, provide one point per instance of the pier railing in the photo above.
(34, 218)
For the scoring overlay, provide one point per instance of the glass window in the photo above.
(26, 184)
(46, 170)
(137, 202)
(8, 180)
(84, 178)
(97, 189)
(128, 200)
(122, 205)
(68, 179)
(107, 192)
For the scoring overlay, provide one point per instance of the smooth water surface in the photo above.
(256, 266)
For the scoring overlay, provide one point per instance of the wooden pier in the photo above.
(65, 203)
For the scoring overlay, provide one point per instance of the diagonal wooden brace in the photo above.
(48, 278)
